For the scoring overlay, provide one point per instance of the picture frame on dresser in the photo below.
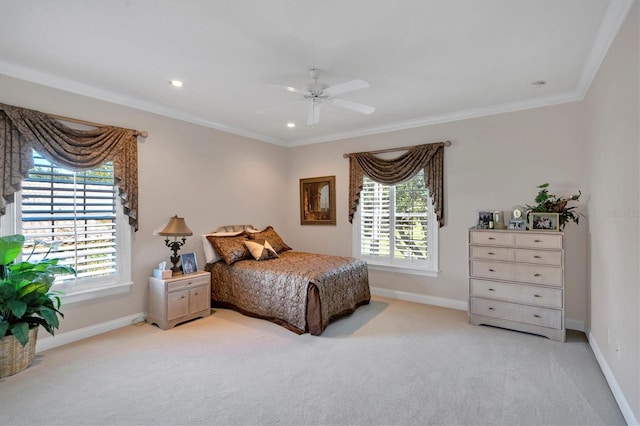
(189, 263)
(544, 221)
(517, 224)
(484, 219)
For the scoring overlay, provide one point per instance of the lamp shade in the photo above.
(175, 228)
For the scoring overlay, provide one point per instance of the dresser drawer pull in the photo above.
(491, 289)
(537, 241)
(491, 238)
(491, 309)
(536, 295)
(181, 297)
(537, 275)
(491, 253)
(536, 316)
(492, 270)
(537, 257)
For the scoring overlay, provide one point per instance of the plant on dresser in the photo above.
(551, 203)
(516, 281)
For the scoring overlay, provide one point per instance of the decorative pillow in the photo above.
(230, 248)
(210, 254)
(270, 234)
(261, 251)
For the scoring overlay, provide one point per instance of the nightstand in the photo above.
(179, 299)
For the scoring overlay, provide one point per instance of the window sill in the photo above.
(72, 295)
(403, 270)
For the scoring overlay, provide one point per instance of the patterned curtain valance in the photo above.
(428, 157)
(23, 130)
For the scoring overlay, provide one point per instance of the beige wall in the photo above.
(494, 163)
(613, 136)
(209, 177)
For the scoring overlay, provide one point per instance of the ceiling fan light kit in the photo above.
(317, 93)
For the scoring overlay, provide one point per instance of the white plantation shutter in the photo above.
(74, 211)
(396, 225)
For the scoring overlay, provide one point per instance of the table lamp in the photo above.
(175, 228)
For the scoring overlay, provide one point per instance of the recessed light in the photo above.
(176, 83)
(539, 83)
(291, 125)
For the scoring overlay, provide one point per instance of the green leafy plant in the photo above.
(551, 203)
(26, 298)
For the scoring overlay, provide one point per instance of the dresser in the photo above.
(179, 299)
(516, 281)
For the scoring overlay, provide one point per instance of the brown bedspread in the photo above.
(300, 291)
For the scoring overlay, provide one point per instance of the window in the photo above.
(396, 226)
(79, 216)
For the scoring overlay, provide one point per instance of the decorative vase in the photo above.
(13, 356)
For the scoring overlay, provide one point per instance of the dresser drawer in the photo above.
(187, 282)
(491, 253)
(496, 270)
(521, 272)
(519, 293)
(492, 238)
(546, 257)
(538, 240)
(543, 317)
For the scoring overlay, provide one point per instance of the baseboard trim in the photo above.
(42, 344)
(420, 298)
(571, 324)
(629, 417)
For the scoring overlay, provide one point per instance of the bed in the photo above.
(254, 272)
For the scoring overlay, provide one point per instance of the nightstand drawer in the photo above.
(542, 317)
(187, 282)
(519, 293)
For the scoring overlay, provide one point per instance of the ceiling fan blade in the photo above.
(291, 89)
(354, 106)
(349, 86)
(313, 116)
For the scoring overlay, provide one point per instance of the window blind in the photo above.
(72, 212)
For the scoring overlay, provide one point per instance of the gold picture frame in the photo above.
(318, 201)
(544, 221)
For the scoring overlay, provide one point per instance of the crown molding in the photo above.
(613, 19)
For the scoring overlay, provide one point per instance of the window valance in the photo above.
(23, 130)
(428, 157)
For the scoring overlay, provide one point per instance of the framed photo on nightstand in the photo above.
(189, 264)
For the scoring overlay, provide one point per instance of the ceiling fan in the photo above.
(319, 93)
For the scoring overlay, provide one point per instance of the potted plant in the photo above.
(26, 302)
(551, 203)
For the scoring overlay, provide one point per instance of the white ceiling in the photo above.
(427, 61)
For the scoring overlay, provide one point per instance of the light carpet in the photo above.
(391, 362)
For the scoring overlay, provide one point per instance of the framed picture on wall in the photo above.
(544, 221)
(318, 201)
